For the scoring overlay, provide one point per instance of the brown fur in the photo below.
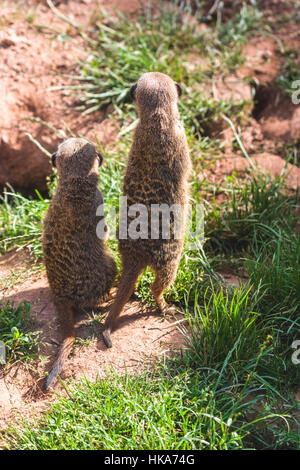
(157, 172)
(79, 269)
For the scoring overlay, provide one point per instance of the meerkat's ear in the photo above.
(132, 91)
(99, 155)
(179, 89)
(53, 159)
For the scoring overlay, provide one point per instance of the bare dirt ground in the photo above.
(28, 77)
(31, 61)
(142, 337)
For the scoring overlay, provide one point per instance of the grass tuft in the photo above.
(20, 342)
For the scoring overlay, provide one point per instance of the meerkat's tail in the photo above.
(67, 323)
(59, 362)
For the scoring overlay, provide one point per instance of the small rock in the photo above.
(273, 164)
(5, 43)
(277, 166)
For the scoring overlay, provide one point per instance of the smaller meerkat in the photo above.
(79, 269)
(157, 174)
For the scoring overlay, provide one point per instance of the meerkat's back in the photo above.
(157, 175)
(79, 269)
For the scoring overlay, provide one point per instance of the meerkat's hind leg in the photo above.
(125, 289)
(163, 279)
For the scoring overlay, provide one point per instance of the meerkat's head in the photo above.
(76, 157)
(155, 90)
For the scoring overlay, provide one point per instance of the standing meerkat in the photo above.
(157, 174)
(79, 269)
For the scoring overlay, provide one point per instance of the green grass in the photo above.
(226, 324)
(292, 152)
(234, 386)
(252, 213)
(21, 222)
(122, 52)
(289, 71)
(276, 268)
(144, 412)
(221, 394)
(15, 331)
(277, 265)
(242, 25)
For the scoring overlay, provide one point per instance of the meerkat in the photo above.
(157, 173)
(79, 269)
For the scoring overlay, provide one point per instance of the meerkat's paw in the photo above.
(167, 309)
(107, 338)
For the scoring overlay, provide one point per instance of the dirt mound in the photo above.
(262, 59)
(29, 99)
(272, 164)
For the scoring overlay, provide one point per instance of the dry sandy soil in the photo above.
(141, 337)
(26, 75)
(31, 59)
